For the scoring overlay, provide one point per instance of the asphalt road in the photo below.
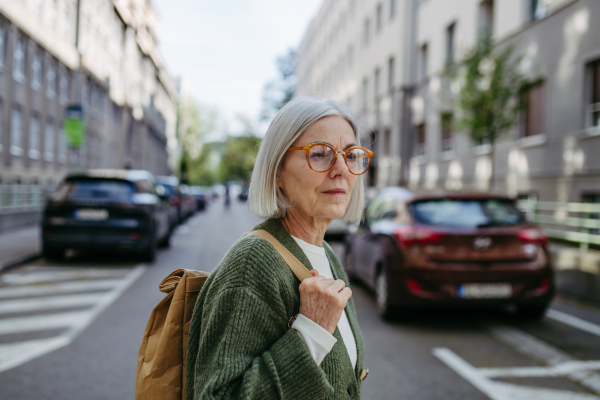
(72, 330)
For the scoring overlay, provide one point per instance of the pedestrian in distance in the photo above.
(257, 331)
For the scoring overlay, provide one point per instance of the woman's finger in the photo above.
(314, 272)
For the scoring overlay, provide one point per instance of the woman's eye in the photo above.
(317, 155)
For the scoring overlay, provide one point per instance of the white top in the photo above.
(318, 340)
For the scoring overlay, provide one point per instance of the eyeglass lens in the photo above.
(322, 157)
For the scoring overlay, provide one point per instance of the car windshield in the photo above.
(467, 213)
(98, 189)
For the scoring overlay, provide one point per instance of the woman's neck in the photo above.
(310, 229)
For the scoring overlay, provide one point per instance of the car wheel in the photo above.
(149, 254)
(56, 254)
(532, 312)
(166, 241)
(382, 294)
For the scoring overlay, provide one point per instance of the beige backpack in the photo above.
(161, 361)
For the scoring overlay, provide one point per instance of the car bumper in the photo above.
(95, 239)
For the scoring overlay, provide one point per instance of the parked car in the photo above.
(450, 250)
(188, 201)
(171, 185)
(201, 197)
(168, 195)
(113, 210)
(336, 231)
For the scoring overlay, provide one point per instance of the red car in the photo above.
(450, 250)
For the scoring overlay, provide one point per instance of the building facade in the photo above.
(100, 54)
(549, 155)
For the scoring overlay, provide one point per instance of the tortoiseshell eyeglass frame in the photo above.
(343, 152)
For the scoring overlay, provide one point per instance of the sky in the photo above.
(226, 49)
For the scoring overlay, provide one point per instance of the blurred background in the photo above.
(129, 127)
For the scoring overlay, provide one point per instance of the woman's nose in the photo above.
(339, 167)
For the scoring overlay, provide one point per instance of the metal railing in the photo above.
(578, 223)
(14, 197)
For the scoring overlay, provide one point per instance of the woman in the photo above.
(306, 174)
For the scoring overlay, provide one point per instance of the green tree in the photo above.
(194, 122)
(279, 91)
(238, 157)
(490, 96)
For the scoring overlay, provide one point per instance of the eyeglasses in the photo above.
(321, 157)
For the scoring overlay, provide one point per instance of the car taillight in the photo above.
(544, 285)
(175, 200)
(134, 235)
(413, 285)
(416, 236)
(532, 235)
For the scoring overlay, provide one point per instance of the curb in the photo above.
(18, 261)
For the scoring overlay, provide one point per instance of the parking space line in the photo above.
(500, 390)
(58, 288)
(14, 354)
(533, 347)
(48, 303)
(41, 322)
(573, 321)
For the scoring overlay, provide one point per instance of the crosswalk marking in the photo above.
(56, 276)
(58, 288)
(41, 292)
(48, 303)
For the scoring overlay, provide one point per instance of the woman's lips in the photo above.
(335, 191)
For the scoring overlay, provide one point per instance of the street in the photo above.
(72, 330)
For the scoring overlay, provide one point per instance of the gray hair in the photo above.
(290, 122)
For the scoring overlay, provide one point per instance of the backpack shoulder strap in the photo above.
(295, 265)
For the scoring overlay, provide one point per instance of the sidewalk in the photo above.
(19, 245)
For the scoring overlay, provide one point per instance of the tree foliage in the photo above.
(279, 91)
(238, 158)
(490, 96)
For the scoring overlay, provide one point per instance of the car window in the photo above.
(467, 213)
(97, 189)
(143, 186)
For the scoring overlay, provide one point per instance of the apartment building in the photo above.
(100, 54)
(549, 154)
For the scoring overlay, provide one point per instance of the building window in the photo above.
(447, 127)
(64, 86)
(16, 132)
(593, 82)
(379, 18)
(534, 110)
(365, 92)
(51, 80)
(391, 66)
(19, 60)
(62, 146)
(34, 138)
(36, 70)
(420, 133)
(376, 84)
(366, 32)
(2, 42)
(49, 142)
(423, 62)
(450, 32)
(392, 8)
(537, 10)
(486, 18)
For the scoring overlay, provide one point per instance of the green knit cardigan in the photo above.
(240, 346)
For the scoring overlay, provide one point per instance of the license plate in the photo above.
(485, 291)
(91, 214)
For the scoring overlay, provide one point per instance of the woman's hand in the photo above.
(323, 300)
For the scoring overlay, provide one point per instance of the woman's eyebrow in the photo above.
(345, 148)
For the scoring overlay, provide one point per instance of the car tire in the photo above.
(166, 241)
(149, 253)
(532, 312)
(55, 254)
(382, 295)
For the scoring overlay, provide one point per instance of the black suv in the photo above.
(107, 209)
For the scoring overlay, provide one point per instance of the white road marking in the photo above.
(41, 322)
(183, 230)
(48, 303)
(27, 278)
(533, 347)
(500, 390)
(563, 369)
(574, 322)
(15, 354)
(58, 288)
